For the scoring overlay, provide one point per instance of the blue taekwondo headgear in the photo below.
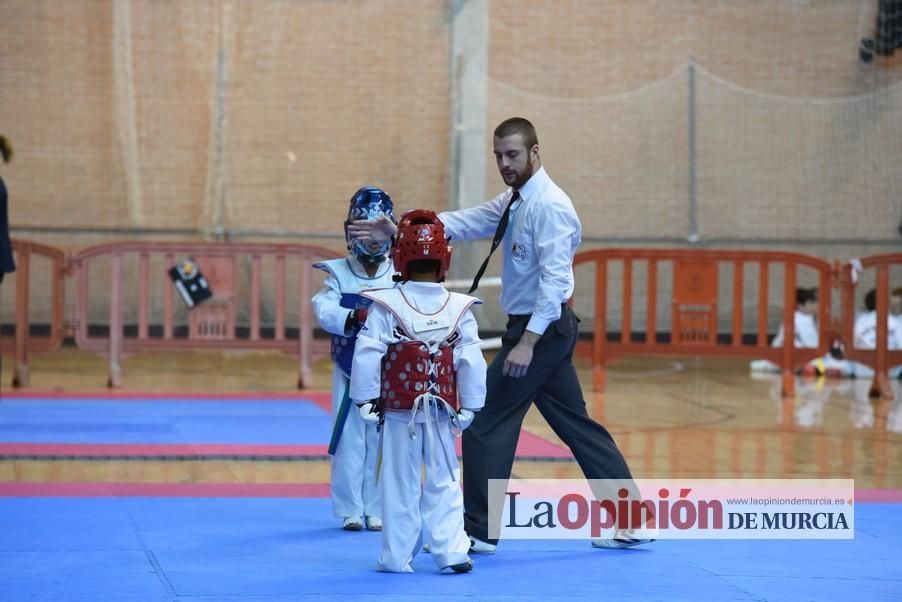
(369, 203)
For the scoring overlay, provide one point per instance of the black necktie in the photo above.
(499, 235)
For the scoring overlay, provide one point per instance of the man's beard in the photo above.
(523, 177)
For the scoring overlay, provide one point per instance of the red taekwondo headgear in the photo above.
(420, 236)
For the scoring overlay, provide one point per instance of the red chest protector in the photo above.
(409, 370)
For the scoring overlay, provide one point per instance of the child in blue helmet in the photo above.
(341, 310)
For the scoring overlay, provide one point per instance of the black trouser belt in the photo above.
(517, 318)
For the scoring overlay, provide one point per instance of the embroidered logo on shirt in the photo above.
(518, 252)
(430, 324)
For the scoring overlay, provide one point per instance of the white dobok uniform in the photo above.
(865, 337)
(353, 473)
(426, 312)
(805, 337)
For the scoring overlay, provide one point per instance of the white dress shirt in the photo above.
(538, 247)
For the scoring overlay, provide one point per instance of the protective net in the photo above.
(760, 166)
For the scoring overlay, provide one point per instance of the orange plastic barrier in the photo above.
(695, 306)
(24, 342)
(212, 324)
(881, 358)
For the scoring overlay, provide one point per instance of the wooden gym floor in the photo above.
(688, 417)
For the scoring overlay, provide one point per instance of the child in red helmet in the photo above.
(418, 369)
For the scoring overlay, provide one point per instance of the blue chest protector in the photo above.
(351, 284)
(343, 346)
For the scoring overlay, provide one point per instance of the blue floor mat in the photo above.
(163, 421)
(286, 549)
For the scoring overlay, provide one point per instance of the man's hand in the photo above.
(379, 229)
(517, 362)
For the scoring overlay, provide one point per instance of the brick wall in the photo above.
(253, 115)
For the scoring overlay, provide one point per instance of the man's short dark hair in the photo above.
(518, 125)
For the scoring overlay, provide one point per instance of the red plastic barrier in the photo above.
(212, 324)
(880, 358)
(24, 342)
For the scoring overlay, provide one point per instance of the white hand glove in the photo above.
(465, 418)
(370, 413)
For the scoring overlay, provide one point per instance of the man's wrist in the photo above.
(530, 338)
(538, 324)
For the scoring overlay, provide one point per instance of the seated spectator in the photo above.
(895, 302)
(805, 326)
(865, 331)
(805, 320)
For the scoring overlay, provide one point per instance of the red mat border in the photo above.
(93, 489)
